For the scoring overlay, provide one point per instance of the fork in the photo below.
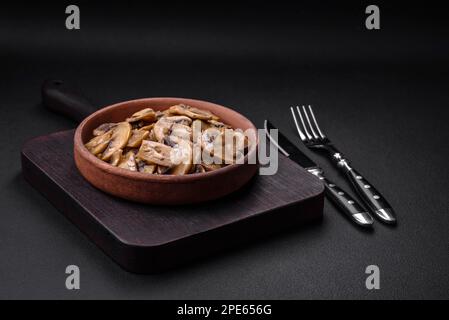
(312, 136)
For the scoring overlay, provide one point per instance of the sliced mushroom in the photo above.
(178, 141)
(182, 157)
(98, 144)
(142, 166)
(162, 170)
(146, 114)
(133, 150)
(128, 161)
(235, 144)
(148, 127)
(211, 139)
(192, 112)
(155, 153)
(149, 168)
(225, 145)
(177, 134)
(181, 169)
(119, 139)
(218, 124)
(103, 128)
(204, 125)
(160, 114)
(137, 135)
(162, 127)
(226, 153)
(198, 168)
(138, 124)
(116, 157)
(241, 144)
(211, 166)
(200, 125)
(181, 131)
(152, 136)
(180, 120)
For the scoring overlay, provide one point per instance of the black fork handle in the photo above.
(61, 98)
(373, 199)
(375, 202)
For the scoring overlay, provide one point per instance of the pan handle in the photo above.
(59, 97)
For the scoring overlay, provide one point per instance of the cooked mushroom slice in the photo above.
(181, 131)
(162, 170)
(98, 144)
(119, 139)
(181, 169)
(196, 153)
(180, 120)
(161, 129)
(211, 139)
(137, 135)
(179, 140)
(226, 145)
(149, 168)
(160, 114)
(218, 124)
(138, 124)
(116, 157)
(211, 167)
(226, 156)
(146, 114)
(182, 156)
(226, 153)
(103, 128)
(177, 134)
(152, 136)
(133, 150)
(234, 145)
(192, 112)
(128, 161)
(200, 125)
(155, 153)
(148, 127)
(241, 144)
(204, 125)
(198, 169)
(142, 166)
(163, 126)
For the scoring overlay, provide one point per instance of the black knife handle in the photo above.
(59, 97)
(355, 211)
(373, 199)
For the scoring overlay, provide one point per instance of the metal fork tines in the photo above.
(313, 137)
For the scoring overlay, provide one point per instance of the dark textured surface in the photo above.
(381, 96)
(147, 238)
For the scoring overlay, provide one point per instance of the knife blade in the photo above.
(287, 148)
(350, 207)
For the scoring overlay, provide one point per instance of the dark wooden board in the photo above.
(145, 238)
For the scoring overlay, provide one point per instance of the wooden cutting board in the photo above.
(145, 238)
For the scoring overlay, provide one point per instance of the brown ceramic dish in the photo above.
(159, 189)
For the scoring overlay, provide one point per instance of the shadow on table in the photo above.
(248, 253)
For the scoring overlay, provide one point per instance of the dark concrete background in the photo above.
(380, 95)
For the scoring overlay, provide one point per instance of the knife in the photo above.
(344, 201)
